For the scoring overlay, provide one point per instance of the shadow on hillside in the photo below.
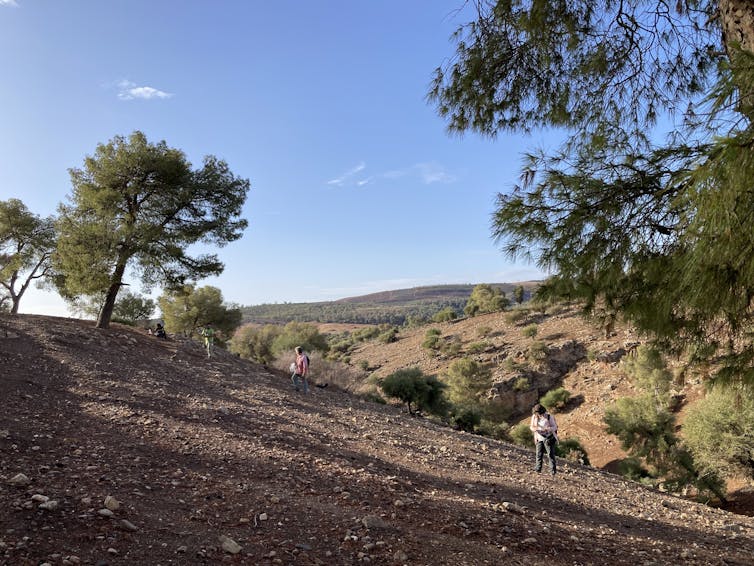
(573, 403)
(230, 443)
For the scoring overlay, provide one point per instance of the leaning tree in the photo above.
(26, 245)
(140, 205)
(646, 209)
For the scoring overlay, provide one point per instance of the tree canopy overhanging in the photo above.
(140, 205)
(659, 231)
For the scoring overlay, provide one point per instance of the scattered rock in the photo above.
(128, 525)
(373, 522)
(19, 479)
(112, 503)
(229, 545)
(50, 505)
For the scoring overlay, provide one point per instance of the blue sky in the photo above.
(355, 185)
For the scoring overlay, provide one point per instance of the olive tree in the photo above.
(190, 308)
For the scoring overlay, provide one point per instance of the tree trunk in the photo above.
(737, 20)
(106, 313)
(15, 298)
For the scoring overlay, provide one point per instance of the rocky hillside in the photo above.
(577, 356)
(120, 448)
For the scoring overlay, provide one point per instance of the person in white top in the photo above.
(545, 431)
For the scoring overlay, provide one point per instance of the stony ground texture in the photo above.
(120, 448)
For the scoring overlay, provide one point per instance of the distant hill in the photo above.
(386, 307)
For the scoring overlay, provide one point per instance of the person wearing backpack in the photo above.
(301, 372)
(545, 431)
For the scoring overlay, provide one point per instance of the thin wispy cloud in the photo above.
(128, 90)
(427, 173)
(433, 173)
(341, 180)
(9, 3)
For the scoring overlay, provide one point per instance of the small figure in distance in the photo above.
(301, 369)
(545, 430)
(159, 331)
(209, 338)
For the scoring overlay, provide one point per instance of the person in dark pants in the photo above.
(545, 431)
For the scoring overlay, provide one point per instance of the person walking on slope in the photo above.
(301, 370)
(545, 430)
(209, 338)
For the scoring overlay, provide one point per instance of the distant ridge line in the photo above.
(385, 307)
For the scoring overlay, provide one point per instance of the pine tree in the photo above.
(658, 233)
(139, 205)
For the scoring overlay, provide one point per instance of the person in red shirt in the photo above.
(301, 373)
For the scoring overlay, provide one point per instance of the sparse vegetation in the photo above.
(537, 351)
(432, 339)
(647, 429)
(529, 331)
(483, 331)
(521, 435)
(517, 314)
(445, 315)
(719, 431)
(466, 417)
(571, 449)
(555, 399)
(476, 347)
(388, 336)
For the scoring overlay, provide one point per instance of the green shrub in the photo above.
(537, 351)
(529, 331)
(485, 298)
(477, 347)
(364, 365)
(374, 397)
(467, 417)
(718, 431)
(255, 343)
(412, 386)
(521, 384)
(521, 434)
(633, 469)
(571, 449)
(516, 315)
(366, 333)
(445, 315)
(555, 398)
(432, 339)
(492, 429)
(511, 365)
(452, 347)
(467, 381)
(388, 336)
(483, 331)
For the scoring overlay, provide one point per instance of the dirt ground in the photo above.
(120, 448)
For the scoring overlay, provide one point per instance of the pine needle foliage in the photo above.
(657, 232)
